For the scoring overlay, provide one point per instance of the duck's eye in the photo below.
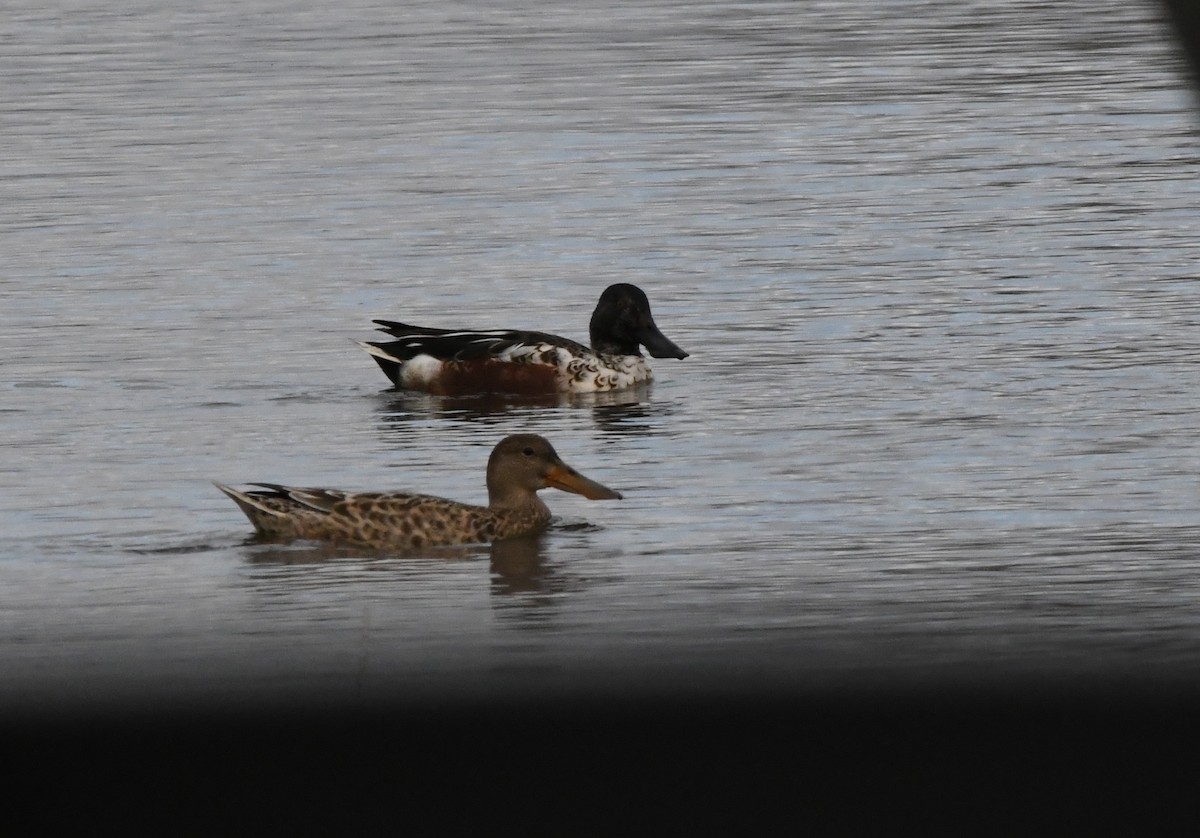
(528, 452)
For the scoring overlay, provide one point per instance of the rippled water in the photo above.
(935, 264)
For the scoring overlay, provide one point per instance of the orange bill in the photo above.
(567, 479)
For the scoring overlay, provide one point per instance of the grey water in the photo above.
(935, 264)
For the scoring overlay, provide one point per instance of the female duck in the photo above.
(449, 362)
(519, 466)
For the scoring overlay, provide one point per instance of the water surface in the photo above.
(935, 264)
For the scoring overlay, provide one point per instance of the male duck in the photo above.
(519, 466)
(448, 362)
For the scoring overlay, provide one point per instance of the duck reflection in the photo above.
(399, 406)
(264, 550)
(518, 566)
(631, 418)
(526, 585)
(627, 412)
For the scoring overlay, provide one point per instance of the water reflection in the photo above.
(526, 584)
(633, 417)
(263, 550)
(398, 407)
(530, 586)
(518, 566)
(627, 412)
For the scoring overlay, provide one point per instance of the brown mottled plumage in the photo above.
(519, 466)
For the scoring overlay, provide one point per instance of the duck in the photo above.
(519, 467)
(450, 362)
